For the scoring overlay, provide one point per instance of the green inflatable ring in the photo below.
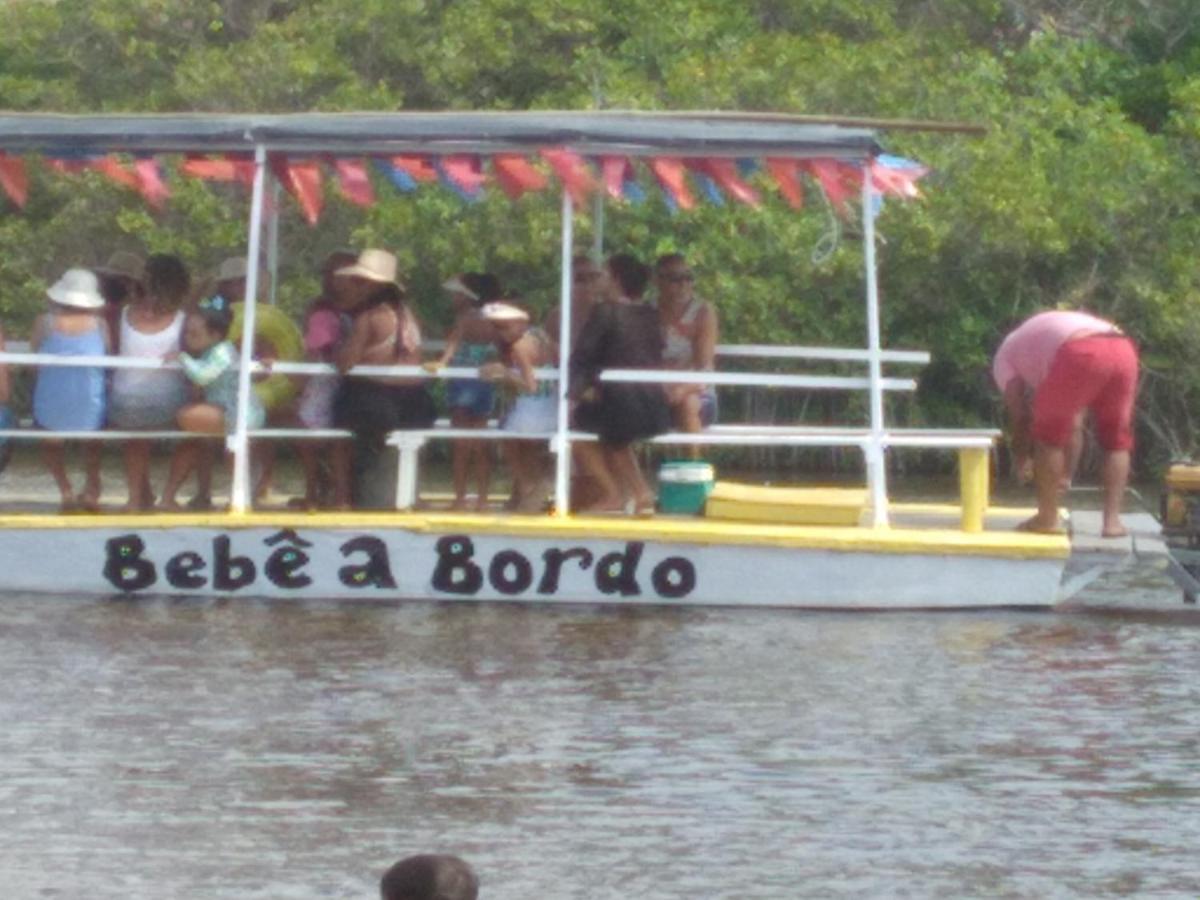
(272, 324)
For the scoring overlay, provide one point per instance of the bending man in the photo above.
(1051, 368)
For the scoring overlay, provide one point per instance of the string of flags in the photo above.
(682, 181)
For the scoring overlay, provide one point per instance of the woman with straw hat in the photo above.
(384, 333)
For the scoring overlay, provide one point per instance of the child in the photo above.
(534, 410)
(469, 344)
(72, 398)
(209, 363)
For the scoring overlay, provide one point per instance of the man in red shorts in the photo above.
(1051, 368)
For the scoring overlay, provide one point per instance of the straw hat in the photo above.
(79, 288)
(232, 269)
(123, 264)
(503, 312)
(374, 265)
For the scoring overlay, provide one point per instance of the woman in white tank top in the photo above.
(689, 327)
(146, 399)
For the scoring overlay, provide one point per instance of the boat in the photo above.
(812, 547)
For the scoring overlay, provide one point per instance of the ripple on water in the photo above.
(246, 749)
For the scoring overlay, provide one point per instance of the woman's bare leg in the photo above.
(137, 475)
(593, 459)
(54, 455)
(89, 497)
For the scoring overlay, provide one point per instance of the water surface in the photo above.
(242, 749)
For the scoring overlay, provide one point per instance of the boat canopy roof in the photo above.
(704, 134)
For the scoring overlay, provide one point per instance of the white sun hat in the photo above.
(455, 285)
(374, 265)
(232, 269)
(79, 288)
(503, 312)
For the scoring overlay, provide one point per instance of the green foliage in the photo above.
(1081, 193)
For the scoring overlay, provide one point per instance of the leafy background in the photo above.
(1083, 191)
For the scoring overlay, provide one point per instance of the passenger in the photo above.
(322, 335)
(470, 400)
(690, 331)
(151, 324)
(429, 877)
(625, 333)
(276, 336)
(1051, 368)
(385, 332)
(585, 293)
(120, 283)
(7, 420)
(72, 398)
(534, 410)
(210, 362)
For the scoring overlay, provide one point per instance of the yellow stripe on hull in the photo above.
(902, 541)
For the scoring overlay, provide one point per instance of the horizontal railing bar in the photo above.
(753, 379)
(843, 354)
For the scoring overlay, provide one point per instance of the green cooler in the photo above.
(684, 486)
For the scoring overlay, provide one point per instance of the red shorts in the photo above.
(1099, 373)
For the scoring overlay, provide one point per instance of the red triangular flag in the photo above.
(838, 181)
(616, 171)
(116, 171)
(150, 183)
(572, 171)
(14, 179)
(516, 175)
(724, 172)
(464, 171)
(418, 167)
(301, 179)
(786, 173)
(900, 182)
(669, 170)
(354, 182)
(208, 169)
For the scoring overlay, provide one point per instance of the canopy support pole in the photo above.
(273, 240)
(239, 442)
(562, 446)
(876, 461)
(598, 228)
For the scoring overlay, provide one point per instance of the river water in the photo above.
(241, 749)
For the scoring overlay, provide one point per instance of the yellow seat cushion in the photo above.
(791, 505)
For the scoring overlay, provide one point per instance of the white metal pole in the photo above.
(598, 228)
(273, 239)
(239, 443)
(562, 463)
(876, 464)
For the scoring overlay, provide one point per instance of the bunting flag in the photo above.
(839, 180)
(301, 179)
(708, 186)
(353, 181)
(418, 168)
(463, 175)
(516, 175)
(727, 173)
(208, 168)
(116, 172)
(786, 173)
(14, 179)
(398, 177)
(572, 171)
(669, 170)
(896, 175)
(615, 170)
(150, 182)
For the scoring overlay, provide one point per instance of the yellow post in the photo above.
(973, 486)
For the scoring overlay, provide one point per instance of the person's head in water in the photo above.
(429, 876)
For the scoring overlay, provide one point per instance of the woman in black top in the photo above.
(620, 333)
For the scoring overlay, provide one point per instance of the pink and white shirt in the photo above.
(1029, 349)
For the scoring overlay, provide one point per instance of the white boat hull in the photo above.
(447, 560)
